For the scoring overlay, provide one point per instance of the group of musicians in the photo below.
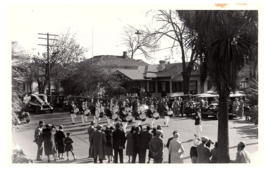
(123, 111)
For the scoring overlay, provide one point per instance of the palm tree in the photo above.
(225, 38)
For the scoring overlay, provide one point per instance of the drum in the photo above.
(76, 110)
(115, 117)
(156, 115)
(170, 113)
(142, 117)
(143, 108)
(98, 114)
(86, 112)
(129, 118)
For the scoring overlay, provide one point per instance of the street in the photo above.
(238, 130)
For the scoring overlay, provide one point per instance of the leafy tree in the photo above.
(225, 37)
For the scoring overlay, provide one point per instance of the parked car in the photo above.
(37, 103)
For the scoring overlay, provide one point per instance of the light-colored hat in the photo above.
(99, 127)
(204, 139)
(159, 132)
(196, 142)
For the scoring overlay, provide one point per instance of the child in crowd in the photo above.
(68, 147)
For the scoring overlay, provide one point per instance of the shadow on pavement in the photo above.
(250, 130)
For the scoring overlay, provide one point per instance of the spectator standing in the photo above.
(176, 107)
(136, 140)
(214, 153)
(109, 145)
(181, 106)
(49, 142)
(242, 156)
(241, 109)
(90, 131)
(129, 146)
(168, 144)
(98, 142)
(198, 125)
(145, 137)
(203, 152)
(59, 139)
(68, 146)
(236, 108)
(176, 149)
(156, 147)
(119, 140)
(193, 151)
(38, 138)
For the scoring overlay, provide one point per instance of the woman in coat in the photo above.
(109, 144)
(49, 142)
(129, 147)
(59, 139)
(176, 149)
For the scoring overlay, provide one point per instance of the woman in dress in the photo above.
(176, 149)
(109, 144)
(49, 142)
(59, 139)
(129, 147)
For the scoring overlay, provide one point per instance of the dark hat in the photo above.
(41, 122)
(92, 122)
(68, 133)
(242, 144)
(99, 127)
(175, 131)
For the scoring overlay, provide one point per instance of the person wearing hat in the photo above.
(176, 149)
(242, 156)
(90, 131)
(203, 152)
(39, 140)
(49, 141)
(98, 141)
(118, 141)
(59, 139)
(168, 143)
(156, 147)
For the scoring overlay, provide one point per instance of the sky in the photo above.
(97, 27)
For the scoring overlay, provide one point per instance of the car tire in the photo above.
(51, 111)
(37, 110)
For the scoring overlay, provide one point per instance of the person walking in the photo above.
(109, 144)
(72, 111)
(38, 139)
(59, 139)
(145, 137)
(242, 156)
(176, 149)
(156, 147)
(68, 146)
(168, 144)
(167, 117)
(49, 142)
(198, 125)
(203, 152)
(129, 146)
(119, 140)
(98, 142)
(90, 130)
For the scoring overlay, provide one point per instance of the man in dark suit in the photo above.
(145, 137)
(90, 131)
(39, 140)
(119, 140)
(168, 144)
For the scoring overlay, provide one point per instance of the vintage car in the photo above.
(213, 107)
(37, 103)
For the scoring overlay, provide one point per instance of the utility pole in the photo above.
(48, 60)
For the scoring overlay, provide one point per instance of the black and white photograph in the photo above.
(125, 83)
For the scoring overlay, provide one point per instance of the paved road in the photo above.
(238, 130)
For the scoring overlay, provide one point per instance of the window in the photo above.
(163, 86)
(193, 87)
(177, 86)
(151, 87)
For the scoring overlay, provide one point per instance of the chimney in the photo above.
(161, 65)
(124, 54)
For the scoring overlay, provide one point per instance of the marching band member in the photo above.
(86, 110)
(72, 113)
(166, 115)
(123, 115)
(81, 110)
(136, 111)
(150, 115)
(109, 114)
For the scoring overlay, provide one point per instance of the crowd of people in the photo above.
(110, 141)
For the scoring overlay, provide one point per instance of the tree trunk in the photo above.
(186, 80)
(223, 135)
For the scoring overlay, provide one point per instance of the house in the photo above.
(160, 80)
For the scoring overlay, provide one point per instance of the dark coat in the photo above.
(49, 142)
(168, 142)
(156, 147)
(98, 142)
(119, 139)
(145, 138)
(59, 139)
